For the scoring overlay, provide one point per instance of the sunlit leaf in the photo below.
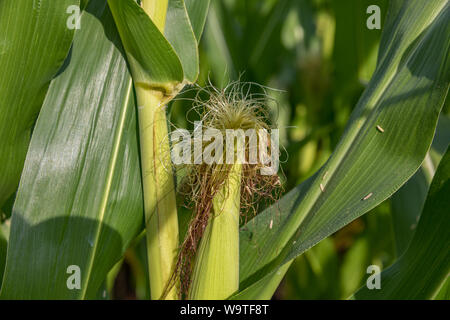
(404, 98)
(79, 200)
(152, 58)
(34, 41)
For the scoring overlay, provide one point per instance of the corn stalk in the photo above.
(159, 197)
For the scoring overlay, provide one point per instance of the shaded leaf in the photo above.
(420, 272)
(407, 204)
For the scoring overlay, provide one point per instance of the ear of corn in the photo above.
(216, 270)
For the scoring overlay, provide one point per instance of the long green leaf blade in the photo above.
(407, 203)
(179, 33)
(152, 58)
(80, 199)
(198, 11)
(34, 41)
(404, 97)
(422, 269)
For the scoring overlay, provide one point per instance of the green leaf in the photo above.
(441, 139)
(198, 11)
(264, 289)
(4, 235)
(151, 57)
(404, 97)
(84, 3)
(80, 198)
(34, 41)
(444, 292)
(420, 272)
(407, 204)
(157, 59)
(179, 33)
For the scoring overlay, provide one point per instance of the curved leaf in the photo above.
(179, 33)
(79, 200)
(404, 97)
(34, 41)
(198, 11)
(264, 289)
(407, 203)
(421, 270)
(152, 58)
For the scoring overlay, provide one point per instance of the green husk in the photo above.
(159, 197)
(216, 270)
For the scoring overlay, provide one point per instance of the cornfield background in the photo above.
(334, 81)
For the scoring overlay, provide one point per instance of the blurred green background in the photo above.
(320, 55)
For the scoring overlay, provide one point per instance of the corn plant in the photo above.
(87, 172)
